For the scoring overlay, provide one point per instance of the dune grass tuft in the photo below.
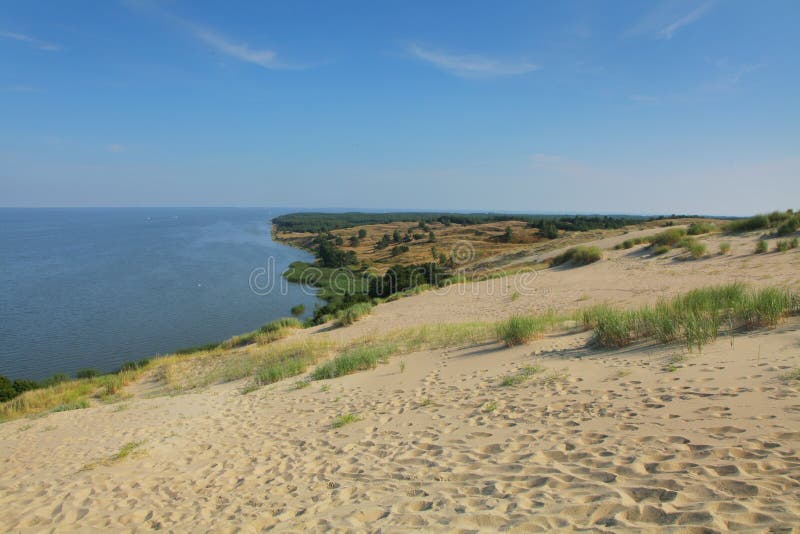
(724, 248)
(521, 329)
(354, 359)
(694, 318)
(580, 255)
(352, 314)
(345, 419)
(762, 247)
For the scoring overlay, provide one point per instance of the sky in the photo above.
(657, 107)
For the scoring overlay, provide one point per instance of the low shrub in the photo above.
(781, 245)
(757, 222)
(661, 249)
(761, 247)
(298, 310)
(724, 248)
(789, 226)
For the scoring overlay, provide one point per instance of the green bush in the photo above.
(761, 247)
(661, 249)
(781, 245)
(724, 248)
(793, 242)
(757, 222)
(298, 310)
(578, 256)
(789, 226)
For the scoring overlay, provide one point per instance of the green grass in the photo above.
(757, 222)
(630, 243)
(761, 247)
(696, 250)
(489, 407)
(578, 256)
(694, 318)
(345, 419)
(793, 242)
(521, 376)
(789, 226)
(521, 329)
(126, 450)
(669, 238)
(781, 245)
(661, 249)
(724, 248)
(354, 359)
(700, 228)
(352, 314)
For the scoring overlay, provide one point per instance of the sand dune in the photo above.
(649, 437)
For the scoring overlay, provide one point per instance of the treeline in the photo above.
(325, 222)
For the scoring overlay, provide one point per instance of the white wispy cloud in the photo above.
(241, 51)
(471, 66)
(670, 16)
(33, 41)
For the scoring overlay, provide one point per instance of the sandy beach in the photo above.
(649, 437)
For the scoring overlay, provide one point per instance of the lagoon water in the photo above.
(93, 288)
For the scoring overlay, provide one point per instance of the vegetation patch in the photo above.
(345, 419)
(695, 318)
(578, 256)
(354, 359)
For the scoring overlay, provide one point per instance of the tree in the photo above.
(339, 241)
(383, 242)
(549, 230)
(362, 233)
(354, 241)
(508, 235)
(431, 237)
(396, 236)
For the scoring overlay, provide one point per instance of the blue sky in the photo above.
(680, 106)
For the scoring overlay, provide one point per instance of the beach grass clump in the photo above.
(520, 329)
(757, 222)
(669, 238)
(661, 249)
(699, 228)
(345, 419)
(630, 243)
(694, 318)
(793, 242)
(724, 248)
(789, 226)
(72, 394)
(352, 314)
(782, 245)
(695, 249)
(762, 247)
(354, 359)
(580, 255)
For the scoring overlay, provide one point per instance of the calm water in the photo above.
(94, 288)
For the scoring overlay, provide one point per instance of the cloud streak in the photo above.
(471, 66)
(27, 39)
(241, 51)
(665, 21)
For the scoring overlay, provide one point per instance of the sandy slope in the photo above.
(648, 437)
